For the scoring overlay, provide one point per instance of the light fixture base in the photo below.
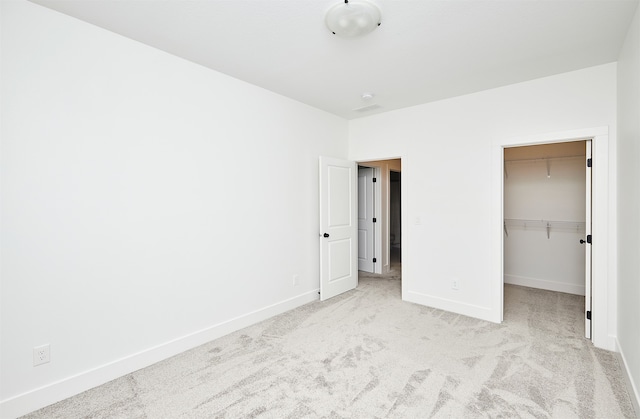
(353, 19)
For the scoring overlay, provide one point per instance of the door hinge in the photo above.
(375, 260)
(375, 220)
(588, 315)
(375, 180)
(589, 163)
(589, 238)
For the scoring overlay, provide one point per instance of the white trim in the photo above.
(404, 231)
(70, 386)
(497, 241)
(471, 310)
(544, 284)
(600, 220)
(634, 393)
(386, 234)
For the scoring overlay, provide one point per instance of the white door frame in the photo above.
(603, 247)
(586, 242)
(377, 204)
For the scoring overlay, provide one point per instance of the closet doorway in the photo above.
(547, 220)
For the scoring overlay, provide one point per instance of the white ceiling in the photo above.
(425, 50)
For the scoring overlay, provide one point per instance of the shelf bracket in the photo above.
(548, 168)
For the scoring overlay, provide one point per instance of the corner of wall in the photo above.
(634, 393)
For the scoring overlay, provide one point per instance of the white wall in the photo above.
(545, 191)
(629, 203)
(448, 164)
(148, 204)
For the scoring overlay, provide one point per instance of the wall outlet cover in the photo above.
(41, 355)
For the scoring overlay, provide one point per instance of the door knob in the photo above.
(582, 241)
(326, 234)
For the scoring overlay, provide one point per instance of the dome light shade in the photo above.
(352, 19)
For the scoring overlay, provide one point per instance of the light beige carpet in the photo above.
(367, 354)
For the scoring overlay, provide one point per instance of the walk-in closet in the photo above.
(546, 207)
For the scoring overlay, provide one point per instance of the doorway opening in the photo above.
(367, 220)
(338, 221)
(547, 227)
(603, 245)
(385, 241)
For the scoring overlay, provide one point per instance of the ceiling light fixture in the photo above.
(352, 19)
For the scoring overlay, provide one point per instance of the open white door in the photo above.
(587, 246)
(338, 227)
(366, 235)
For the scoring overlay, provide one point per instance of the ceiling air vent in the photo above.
(367, 108)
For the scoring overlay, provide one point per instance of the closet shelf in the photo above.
(544, 225)
(548, 161)
(580, 156)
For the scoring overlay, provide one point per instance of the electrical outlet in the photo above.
(455, 284)
(296, 280)
(41, 355)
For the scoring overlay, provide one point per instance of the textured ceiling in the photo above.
(425, 50)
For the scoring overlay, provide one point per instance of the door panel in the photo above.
(366, 231)
(340, 259)
(338, 227)
(362, 247)
(339, 190)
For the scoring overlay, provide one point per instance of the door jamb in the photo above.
(377, 204)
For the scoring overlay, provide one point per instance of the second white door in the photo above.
(366, 219)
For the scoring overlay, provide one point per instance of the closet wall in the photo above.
(544, 211)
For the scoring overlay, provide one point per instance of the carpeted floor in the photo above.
(367, 354)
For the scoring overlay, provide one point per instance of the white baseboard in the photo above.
(478, 312)
(70, 386)
(634, 393)
(544, 284)
(606, 342)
